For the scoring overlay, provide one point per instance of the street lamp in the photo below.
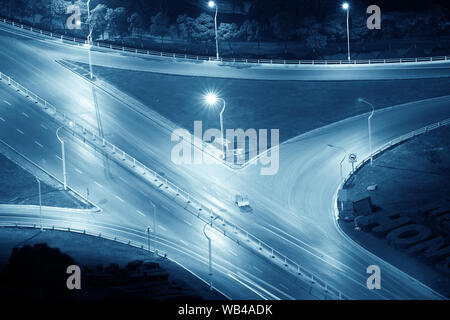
(342, 161)
(212, 4)
(63, 153)
(154, 222)
(212, 99)
(40, 203)
(369, 123)
(89, 39)
(209, 251)
(346, 7)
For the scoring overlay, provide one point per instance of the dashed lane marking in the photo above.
(138, 211)
(119, 198)
(98, 184)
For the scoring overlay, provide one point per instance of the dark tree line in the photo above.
(314, 23)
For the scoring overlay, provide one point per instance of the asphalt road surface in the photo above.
(292, 211)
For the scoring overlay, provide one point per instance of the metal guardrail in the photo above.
(394, 142)
(125, 241)
(185, 199)
(224, 60)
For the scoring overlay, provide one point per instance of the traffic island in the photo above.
(21, 182)
(399, 207)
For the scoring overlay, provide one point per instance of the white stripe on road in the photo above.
(59, 157)
(138, 211)
(257, 269)
(2, 119)
(183, 241)
(43, 126)
(40, 145)
(98, 184)
(7, 102)
(24, 114)
(20, 131)
(286, 288)
(119, 198)
(78, 170)
(161, 227)
(233, 253)
(187, 222)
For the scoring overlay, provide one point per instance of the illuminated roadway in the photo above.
(293, 210)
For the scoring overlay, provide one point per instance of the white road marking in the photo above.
(20, 131)
(286, 288)
(233, 253)
(59, 157)
(24, 114)
(2, 119)
(257, 269)
(7, 102)
(161, 227)
(187, 222)
(40, 145)
(43, 126)
(98, 184)
(119, 198)
(138, 211)
(79, 171)
(184, 242)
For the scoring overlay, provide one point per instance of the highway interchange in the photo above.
(293, 210)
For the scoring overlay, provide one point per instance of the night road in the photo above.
(293, 211)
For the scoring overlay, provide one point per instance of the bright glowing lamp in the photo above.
(345, 6)
(211, 4)
(211, 99)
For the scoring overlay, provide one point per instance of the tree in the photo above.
(117, 21)
(98, 20)
(316, 41)
(58, 11)
(185, 27)
(33, 7)
(136, 24)
(334, 27)
(228, 32)
(160, 26)
(251, 31)
(203, 28)
(283, 27)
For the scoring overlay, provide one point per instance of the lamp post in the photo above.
(89, 38)
(148, 238)
(63, 157)
(369, 124)
(154, 222)
(212, 99)
(209, 252)
(342, 161)
(63, 154)
(40, 203)
(346, 7)
(212, 4)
